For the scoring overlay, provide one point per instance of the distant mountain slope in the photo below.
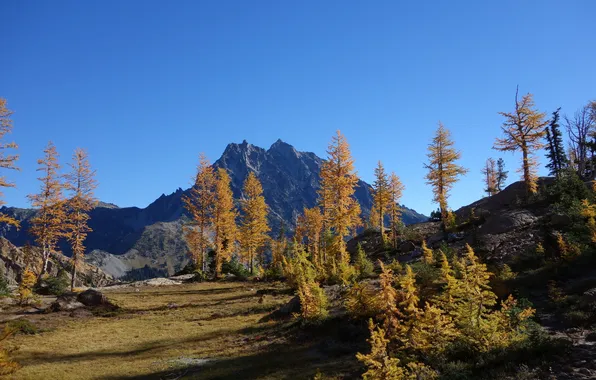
(149, 240)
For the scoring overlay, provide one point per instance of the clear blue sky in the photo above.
(145, 86)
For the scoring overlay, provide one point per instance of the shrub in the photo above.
(362, 301)
(23, 326)
(25, 291)
(57, 285)
(364, 267)
(235, 267)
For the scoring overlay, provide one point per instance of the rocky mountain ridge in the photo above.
(149, 242)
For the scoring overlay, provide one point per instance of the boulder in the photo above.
(560, 220)
(65, 302)
(93, 298)
(588, 299)
(293, 306)
(507, 221)
(406, 247)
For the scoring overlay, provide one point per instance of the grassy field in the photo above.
(194, 331)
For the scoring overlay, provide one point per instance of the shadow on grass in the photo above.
(278, 361)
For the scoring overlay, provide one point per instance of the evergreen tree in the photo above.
(254, 226)
(81, 183)
(363, 265)
(555, 149)
(48, 223)
(200, 204)
(502, 174)
(381, 196)
(523, 130)
(310, 226)
(6, 161)
(490, 177)
(224, 220)
(395, 192)
(338, 184)
(442, 169)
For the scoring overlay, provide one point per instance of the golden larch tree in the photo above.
(7, 161)
(80, 183)
(396, 189)
(310, 226)
(254, 226)
(381, 196)
(490, 177)
(224, 219)
(48, 223)
(338, 184)
(200, 204)
(443, 171)
(523, 130)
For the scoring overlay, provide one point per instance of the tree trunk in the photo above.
(527, 178)
(74, 274)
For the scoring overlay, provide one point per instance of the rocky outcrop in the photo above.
(12, 264)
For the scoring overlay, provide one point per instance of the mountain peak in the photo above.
(280, 145)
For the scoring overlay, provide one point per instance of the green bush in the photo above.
(235, 267)
(4, 290)
(362, 263)
(55, 285)
(23, 326)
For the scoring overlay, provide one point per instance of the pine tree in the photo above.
(556, 151)
(224, 219)
(254, 227)
(200, 204)
(338, 184)
(490, 177)
(388, 298)
(502, 174)
(310, 226)
(427, 254)
(48, 223)
(442, 169)
(395, 192)
(6, 161)
(379, 363)
(81, 183)
(381, 196)
(523, 130)
(362, 263)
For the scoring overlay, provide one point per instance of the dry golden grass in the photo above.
(158, 330)
(166, 332)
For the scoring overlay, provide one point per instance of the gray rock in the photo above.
(93, 298)
(66, 302)
(406, 247)
(507, 221)
(560, 220)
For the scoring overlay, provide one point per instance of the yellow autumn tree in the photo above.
(200, 203)
(427, 254)
(81, 183)
(48, 223)
(443, 171)
(310, 226)
(338, 184)
(380, 365)
(490, 177)
(254, 226)
(224, 220)
(395, 192)
(523, 130)
(381, 196)
(7, 161)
